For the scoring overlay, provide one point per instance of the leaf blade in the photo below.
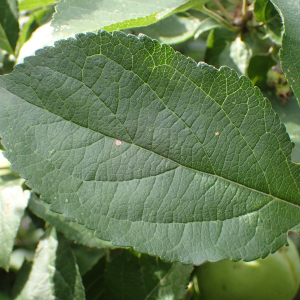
(159, 161)
(54, 273)
(13, 204)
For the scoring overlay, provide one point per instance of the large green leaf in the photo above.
(9, 25)
(74, 16)
(139, 277)
(13, 201)
(151, 150)
(290, 52)
(53, 274)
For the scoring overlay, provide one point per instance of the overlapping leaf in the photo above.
(9, 25)
(290, 52)
(74, 16)
(53, 274)
(150, 150)
(13, 201)
(128, 276)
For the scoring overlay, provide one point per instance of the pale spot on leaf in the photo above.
(118, 143)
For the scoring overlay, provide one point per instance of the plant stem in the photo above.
(218, 18)
(223, 10)
(244, 9)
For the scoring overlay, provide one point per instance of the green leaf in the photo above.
(74, 16)
(174, 29)
(236, 55)
(34, 4)
(139, 277)
(13, 201)
(179, 27)
(54, 273)
(290, 52)
(264, 11)
(35, 21)
(9, 26)
(259, 65)
(290, 115)
(66, 225)
(151, 150)
(217, 41)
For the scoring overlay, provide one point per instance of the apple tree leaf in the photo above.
(151, 150)
(290, 52)
(53, 274)
(74, 16)
(13, 201)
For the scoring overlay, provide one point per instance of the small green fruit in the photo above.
(277, 277)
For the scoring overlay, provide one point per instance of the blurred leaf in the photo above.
(69, 227)
(87, 257)
(217, 41)
(13, 201)
(264, 10)
(289, 114)
(174, 29)
(258, 68)
(36, 20)
(290, 52)
(9, 25)
(34, 4)
(236, 55)
(54, 273)
(94, 282)
(138, 277)
(73, 16)
(274, 30)
(206, 25)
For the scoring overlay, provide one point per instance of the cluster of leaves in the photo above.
(129, 148)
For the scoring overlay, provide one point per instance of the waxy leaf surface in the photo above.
(151, 150)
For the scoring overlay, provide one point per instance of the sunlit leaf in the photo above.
(151, 150)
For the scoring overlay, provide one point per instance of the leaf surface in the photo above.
(151, 150)
(13, 201)
(74, 16)
(290, 52)
(53, 274)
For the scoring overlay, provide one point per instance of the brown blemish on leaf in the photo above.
(217, 133)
